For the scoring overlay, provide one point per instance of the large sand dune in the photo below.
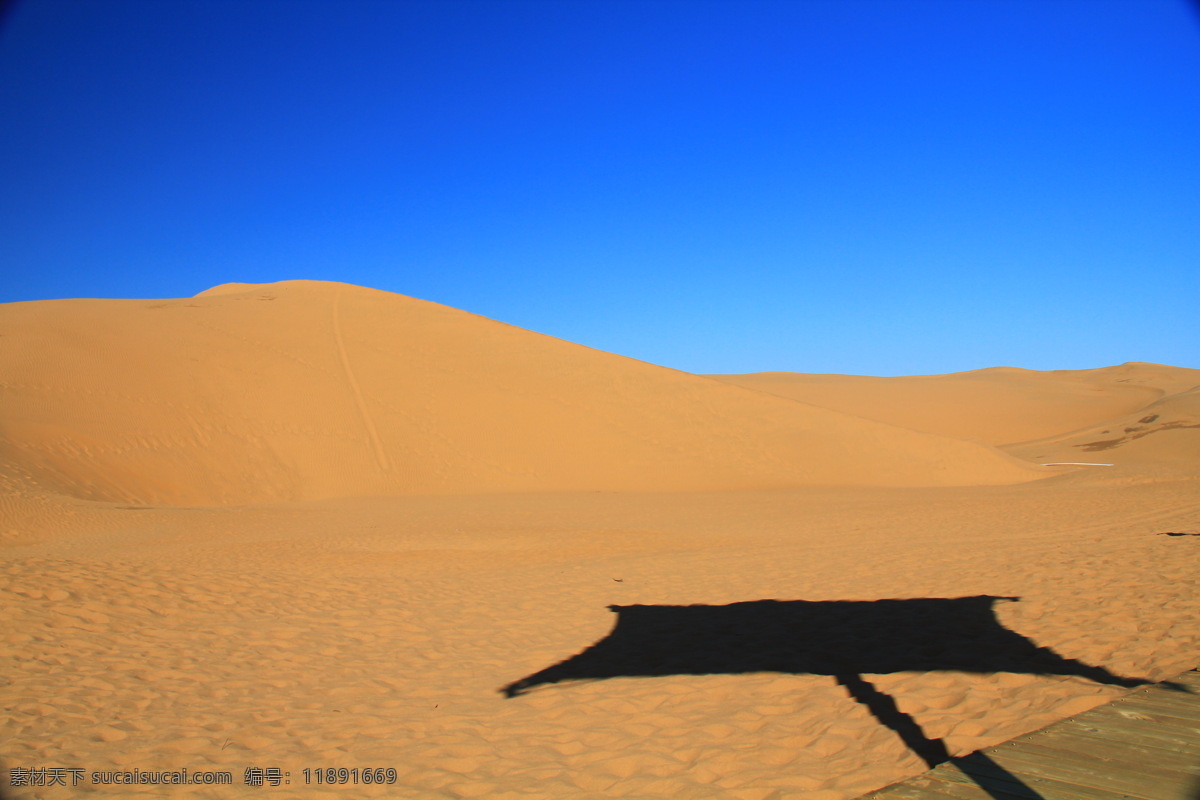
(423, 577)
(304, 390)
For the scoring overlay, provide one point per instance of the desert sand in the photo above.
(306, 525)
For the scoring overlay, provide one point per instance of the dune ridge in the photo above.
(304, 389)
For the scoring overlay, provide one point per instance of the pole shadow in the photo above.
(842, 639)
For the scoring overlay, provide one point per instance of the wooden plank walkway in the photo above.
(1144, 746)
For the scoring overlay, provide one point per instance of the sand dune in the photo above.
(304, 390)
(424, 580)
(1158, 439)
(1001, 405)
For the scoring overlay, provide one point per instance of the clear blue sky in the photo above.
(885, 188)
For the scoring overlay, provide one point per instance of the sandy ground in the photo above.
(155, 623)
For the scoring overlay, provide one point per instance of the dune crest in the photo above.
(306, 389)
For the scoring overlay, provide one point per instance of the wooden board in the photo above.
(1144, 746)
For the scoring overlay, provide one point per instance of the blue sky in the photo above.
(901, 187)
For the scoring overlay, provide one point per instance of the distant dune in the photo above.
(1163, 437)
(997, 406)
(303, 390)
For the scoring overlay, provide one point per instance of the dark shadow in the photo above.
(884, 709)
(814, 638)
(993, 778)
(842, 639)
(1173, 533)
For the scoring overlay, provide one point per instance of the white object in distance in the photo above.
(1076, 464)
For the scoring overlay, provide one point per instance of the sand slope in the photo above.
(1161, 439)
(302, 390)
(1001, 405)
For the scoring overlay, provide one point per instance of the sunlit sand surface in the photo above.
(307, 525)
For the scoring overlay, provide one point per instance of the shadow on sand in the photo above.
(842, 639)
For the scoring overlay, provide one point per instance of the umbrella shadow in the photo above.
(842, 639)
